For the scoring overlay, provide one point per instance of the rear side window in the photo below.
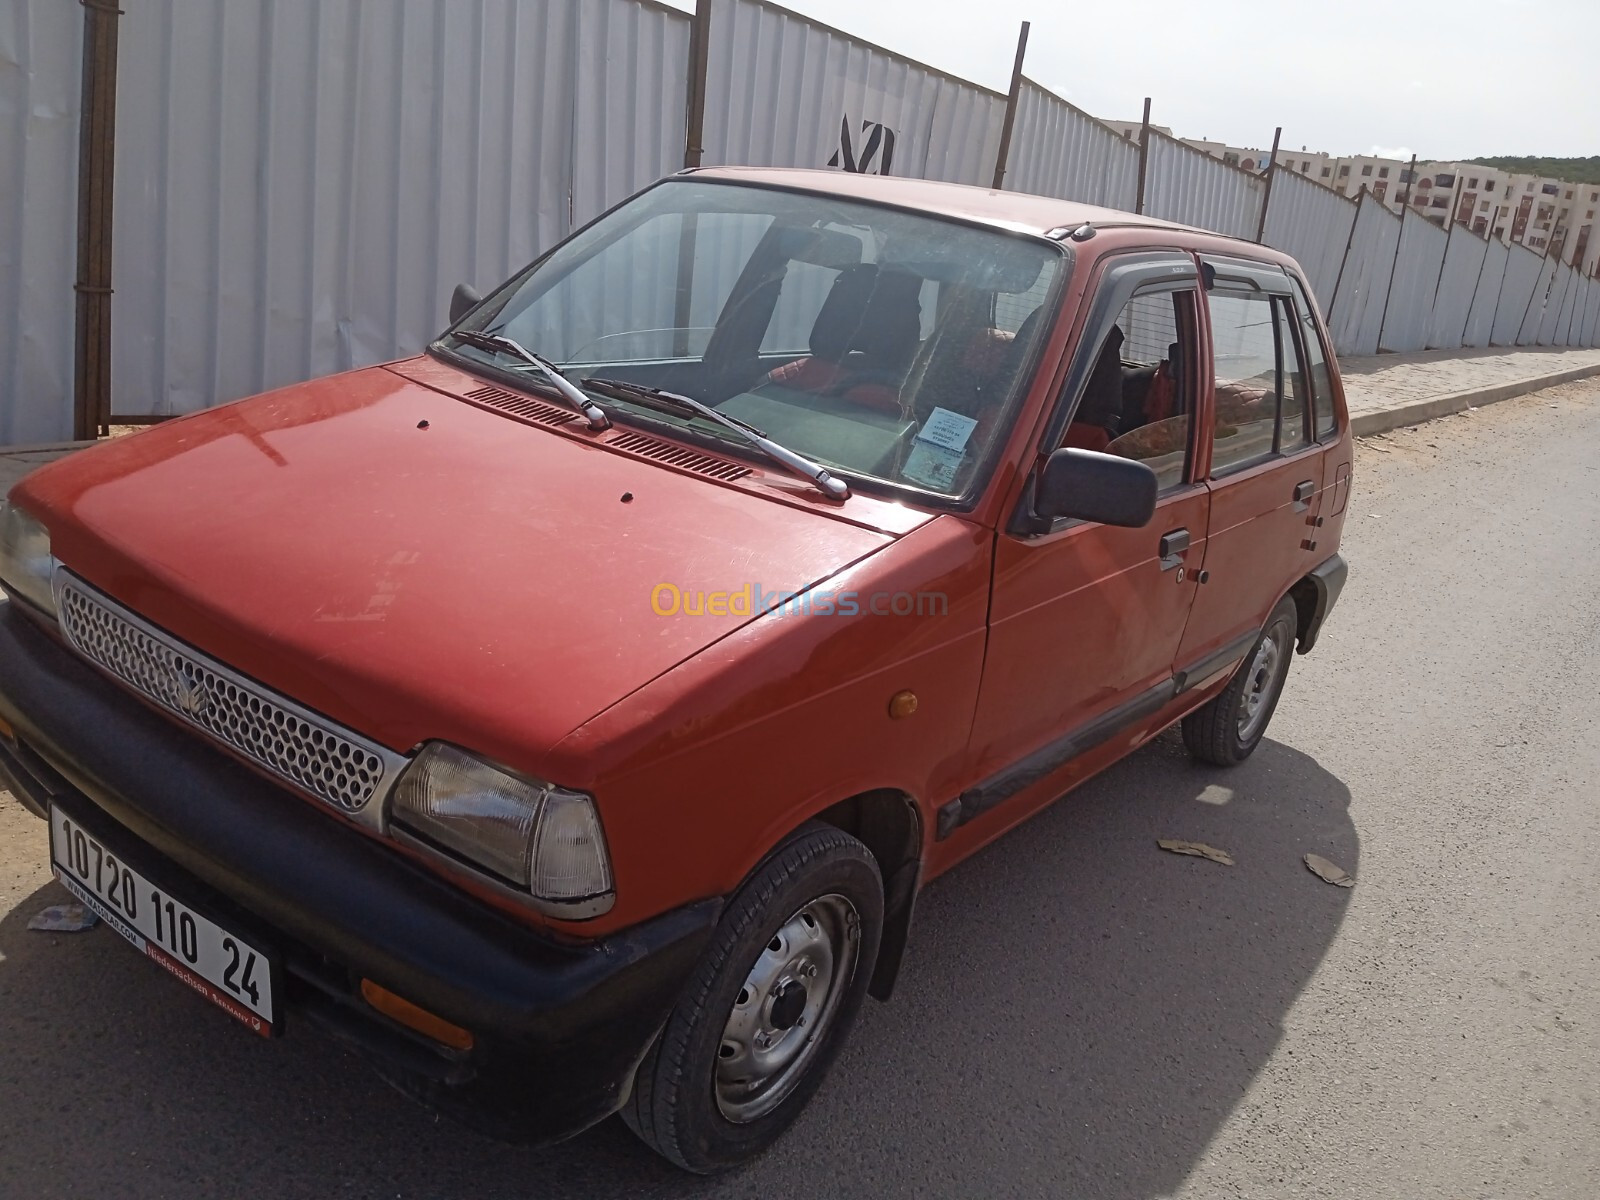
(1244, 341)
(1326, 421)
(1294, 418)
(1263, 398)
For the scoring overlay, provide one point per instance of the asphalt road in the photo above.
(1082, 1015)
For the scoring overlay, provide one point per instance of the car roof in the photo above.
(1017, 211)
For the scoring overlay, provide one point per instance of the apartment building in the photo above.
(1548, 216)
(1130, 129)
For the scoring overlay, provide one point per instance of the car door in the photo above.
(1264, 467)
(1086, 619)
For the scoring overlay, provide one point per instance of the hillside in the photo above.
(1573, 170)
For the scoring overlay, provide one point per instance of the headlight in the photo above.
(542, 840)
(26, 565)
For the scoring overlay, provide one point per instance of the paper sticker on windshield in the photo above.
(947, 429)
(932, 466)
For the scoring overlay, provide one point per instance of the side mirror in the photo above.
(1088, 486)
(463, 300)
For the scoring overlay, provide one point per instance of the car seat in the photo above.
(862, 340)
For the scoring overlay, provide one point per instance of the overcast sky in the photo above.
(1447, 79)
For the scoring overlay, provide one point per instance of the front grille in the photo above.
(292, 742)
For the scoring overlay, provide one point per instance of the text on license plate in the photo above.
(219, 965)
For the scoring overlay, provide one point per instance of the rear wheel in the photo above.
(765, 1012)
(1228, 728)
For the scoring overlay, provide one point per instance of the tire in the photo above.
(1227, 728)
(812, 912)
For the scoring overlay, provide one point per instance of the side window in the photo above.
(1138, 400)
(1326, 421)
(1245, 344)
(1294, 427)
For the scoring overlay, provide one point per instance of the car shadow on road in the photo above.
(1079, 1014)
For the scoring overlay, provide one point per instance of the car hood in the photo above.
(416, 567)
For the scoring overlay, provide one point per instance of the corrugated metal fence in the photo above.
(1059, 150)
(1314, 224)
(41, 52)
(297, 186)
(1189, 186)
(317, 177)
(789, 92)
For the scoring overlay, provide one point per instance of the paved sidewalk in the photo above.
(1384, 391)
(1387, 391)
(15, 463)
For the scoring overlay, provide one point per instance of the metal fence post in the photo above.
(1345, 261)
(1399, 240)
(1144, 155)
(97, 138)
(699, 62)
(1272, 169)
(1003, 157)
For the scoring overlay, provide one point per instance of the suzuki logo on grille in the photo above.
(188, 694)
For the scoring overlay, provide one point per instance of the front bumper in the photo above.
(559, 1028)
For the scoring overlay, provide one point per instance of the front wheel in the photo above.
(1228, 728)
(765, 1012)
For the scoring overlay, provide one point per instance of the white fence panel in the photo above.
(1189, 186)
(1564, 323)
(1059, 150)
(1591, 313)
(1533, 319)
(1486, 295)
(1464, 258)
(632, 96)
(1516, 293)
(1356, 315)
(1550, 323)
(1413, 284)
(1556, 311)
(310, 180)
(41, 58)
(785, 91)
(1313, 224)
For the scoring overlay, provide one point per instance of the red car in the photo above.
(568, 717)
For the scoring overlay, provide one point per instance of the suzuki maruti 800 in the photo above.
(567, 717)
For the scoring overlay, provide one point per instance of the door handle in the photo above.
(1171, 548)
(1303, 491)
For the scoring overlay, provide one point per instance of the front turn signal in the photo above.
(398, 1008)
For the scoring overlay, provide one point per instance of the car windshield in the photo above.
(884, 344)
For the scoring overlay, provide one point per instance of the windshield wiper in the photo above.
(499, 341)
(832, 486)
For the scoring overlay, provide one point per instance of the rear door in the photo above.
(1086, 618)
(1264, 467)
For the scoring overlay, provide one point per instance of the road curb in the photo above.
(1419, 411)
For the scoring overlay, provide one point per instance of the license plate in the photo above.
(234, 974)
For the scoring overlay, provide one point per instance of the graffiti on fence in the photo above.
(877, 149)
